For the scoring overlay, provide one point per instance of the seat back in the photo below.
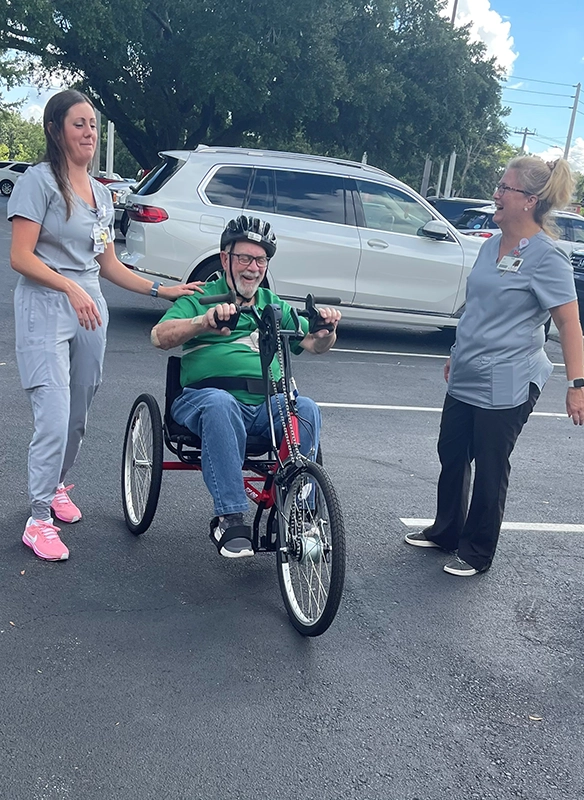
(256, 445)
(173, 389)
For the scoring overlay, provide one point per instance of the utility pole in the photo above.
(440, 173)
(109, 157)
(95, 162)
(454, 10)
(572, 121)
(426, 176)
(525, 133)
(450, 174)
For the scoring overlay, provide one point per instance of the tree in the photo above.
(337, 77)
(20, 140)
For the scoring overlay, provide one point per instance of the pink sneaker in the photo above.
(43, 538)
(63, 507)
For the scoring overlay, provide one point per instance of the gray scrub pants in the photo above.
(60, 365)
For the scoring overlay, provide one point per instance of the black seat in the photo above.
(256, 445)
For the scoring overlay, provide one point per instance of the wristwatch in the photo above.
(154, 289)
(577, 383)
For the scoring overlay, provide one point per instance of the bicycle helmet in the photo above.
(252, 229)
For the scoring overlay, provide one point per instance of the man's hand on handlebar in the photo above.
(213, 318)
(327, 324)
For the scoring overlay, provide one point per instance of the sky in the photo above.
(541, 49)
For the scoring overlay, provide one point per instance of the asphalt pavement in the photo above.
(149, 668)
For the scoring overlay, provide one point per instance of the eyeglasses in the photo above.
(501, 188)
(245, 259)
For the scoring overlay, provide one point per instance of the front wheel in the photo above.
(311, 568)
(6, 187)
(142, 463)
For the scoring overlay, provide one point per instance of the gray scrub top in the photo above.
(500, 336)
(65, 245)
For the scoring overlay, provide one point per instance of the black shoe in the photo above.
(459, 567)
(231, 536)
(420, 539)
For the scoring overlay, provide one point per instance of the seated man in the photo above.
(223, 417)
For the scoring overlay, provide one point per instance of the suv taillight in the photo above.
(482, 234)
(142, 213)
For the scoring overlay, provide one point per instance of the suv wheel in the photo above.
(6, 187)
(209, 271)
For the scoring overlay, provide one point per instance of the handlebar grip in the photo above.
(327, 301)
(215, 299)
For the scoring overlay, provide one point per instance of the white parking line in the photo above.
(372, 407)
(391, 353)
(507, 526)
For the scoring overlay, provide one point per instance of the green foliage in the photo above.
(579, 188)
(20, 140)
(336, 77)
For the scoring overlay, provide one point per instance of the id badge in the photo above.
(100, 238)
(509, 264)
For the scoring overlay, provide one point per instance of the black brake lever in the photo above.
(315, 321)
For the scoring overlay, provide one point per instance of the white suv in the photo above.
(10, 172)
(344, 229)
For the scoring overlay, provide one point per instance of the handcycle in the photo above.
(304, 525)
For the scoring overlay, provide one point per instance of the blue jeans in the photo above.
(223, 424)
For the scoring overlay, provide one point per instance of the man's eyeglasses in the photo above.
(245, 259)
(501, 188)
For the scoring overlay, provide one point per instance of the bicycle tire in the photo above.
(142, 463)
(311, 572)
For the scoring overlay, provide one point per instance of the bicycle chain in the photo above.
(293, 446)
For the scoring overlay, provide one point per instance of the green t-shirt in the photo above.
(237, 355)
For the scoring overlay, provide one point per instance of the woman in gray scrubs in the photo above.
(62, 240)
(498, 366)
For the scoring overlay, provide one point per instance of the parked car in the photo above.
(344, 229)
(577, 260)
(10, 172)
(119, 191)
(452, 208)
(479, 222)
(104, 178)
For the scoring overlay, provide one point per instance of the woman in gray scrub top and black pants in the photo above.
(498, 366)
(62, 240)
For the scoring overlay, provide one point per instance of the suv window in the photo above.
(228, 186)
(475, 220)
(578, 230)
(20, 168)
(158, 176)
(389, 209)
(261, 195)
(310, 196)
(4, 164)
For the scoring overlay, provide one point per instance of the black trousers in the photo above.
(488, 437)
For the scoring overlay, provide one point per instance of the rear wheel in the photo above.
(6, 187)
(311, 571)
(142, 463)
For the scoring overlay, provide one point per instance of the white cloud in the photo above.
(575, 159)
(488, 27)
(32, 112)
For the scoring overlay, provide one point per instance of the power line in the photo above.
(530, 91)
(535, 105)
(535, 80)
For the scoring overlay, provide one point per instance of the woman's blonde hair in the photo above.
(550, 181)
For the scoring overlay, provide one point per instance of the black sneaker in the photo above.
(420, 540)
(231, 536)
(459, 567)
